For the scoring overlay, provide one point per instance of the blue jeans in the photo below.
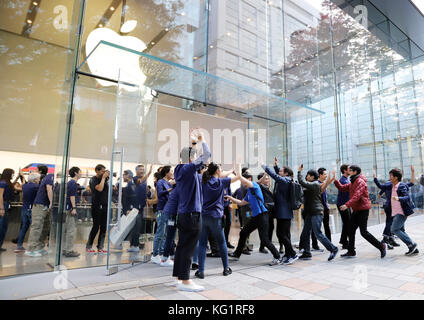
(159, 240)
(26, 223)
(195, 258)
(313, 223)
(398, 229)
(4, 222)
(169, 246)
(214, 227)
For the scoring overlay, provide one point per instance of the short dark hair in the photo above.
(356, 168)
(344, 168)
(43, 169)
(99, 167)
(260, 176)
(289, 171)
(247, 176)
(73, 171)
(243, 170)
(165, 171)
(139, 166)
(313, 173)
(321, 171)
(396, 173)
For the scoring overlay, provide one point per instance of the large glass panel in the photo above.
(37, 48)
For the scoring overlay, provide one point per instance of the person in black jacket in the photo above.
(264, 183)
(314, 209)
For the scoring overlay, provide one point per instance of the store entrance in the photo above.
(132, 120)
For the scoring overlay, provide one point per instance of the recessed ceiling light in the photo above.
(112, 8)
(211, 47)
(166, 29)
(29, 21)
(183, 13)
(35, 3)
(128, 26)
(195, 58)
(228, 34)
(153, 43)
(100, 25)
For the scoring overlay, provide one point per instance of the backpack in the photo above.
(296, 197)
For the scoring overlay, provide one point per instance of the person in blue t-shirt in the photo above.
(69, 229)
(41, 211)
(259, 219)
(214, 184)
(164, 187)
(29, 191)
(7, 187)
(189, 220)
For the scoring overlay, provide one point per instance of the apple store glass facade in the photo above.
(315, 82)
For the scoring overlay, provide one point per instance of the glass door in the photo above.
(130, 219)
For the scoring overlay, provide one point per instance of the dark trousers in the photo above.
(270, 230)
(99, 223)
(326, 223)
(313, 225)
(171, 230)
(345, 215)
(360, 219)
(283, 233)
(313, 237)
(189, 226)
(213, 244)
(227, 225)
(389, 220)
(137, 229)
(259, 222)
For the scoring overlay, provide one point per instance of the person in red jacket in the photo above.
(361, 205)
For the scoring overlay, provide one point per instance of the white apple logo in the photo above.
(113, 63)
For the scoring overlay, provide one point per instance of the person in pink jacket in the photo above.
(361, 205)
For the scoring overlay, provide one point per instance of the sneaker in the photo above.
(86, 219)
(305, 256)
(194, 266)
(79, 220)
(192, 287)
(275, 262)
(393, 243)
(383, 250)
(199, 274)
(412, 250)
(176, 282)
(19, 249)
(249, 249)
(156, 259)
(90, 250)
(227, 271)
(387, 242)
(213, 255)
(167, 263)
(133, 249)
(348, 255)
(333, 254)
(290, 260)
(71, 254)
(246, 252)
(317, 249)
(234, 256)
(263, 250)
(33, 254)
(101, 251)
(230, 246)
(301, 251)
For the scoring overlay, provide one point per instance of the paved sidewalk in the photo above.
(366, 277)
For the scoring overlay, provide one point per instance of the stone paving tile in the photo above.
(413, 287)
(384, 281)
(144, 298)
(72, 293)
(272, 296)
(54, 296)
(266, 285)
(174, 296)
(408, 278)
(339, 294)
(285, 291)
(132, 293)
(244, 290)
(313, 287)
(420, 274)
(159, 291)
(301, 296)
(102, 296)
(192, 295)
(384, 290)
(294, 283)
(410, 296)
(218, 294)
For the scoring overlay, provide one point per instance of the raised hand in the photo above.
(275, 161)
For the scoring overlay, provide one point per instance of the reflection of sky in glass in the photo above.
(419, 4)
(317, 4)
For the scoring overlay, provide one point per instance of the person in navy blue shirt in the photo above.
(214, 184)
(41, 211)
(387, 189)
(29, 191)
(342, 198)
(227, 218)
(259, 219)
(326, 219)
(7, 187)
(189, 220)
(170, 211)
(70, 229)
(283, 178)
(163, 188)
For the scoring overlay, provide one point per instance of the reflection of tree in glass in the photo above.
(358, 54)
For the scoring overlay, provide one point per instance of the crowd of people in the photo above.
(194, 199)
